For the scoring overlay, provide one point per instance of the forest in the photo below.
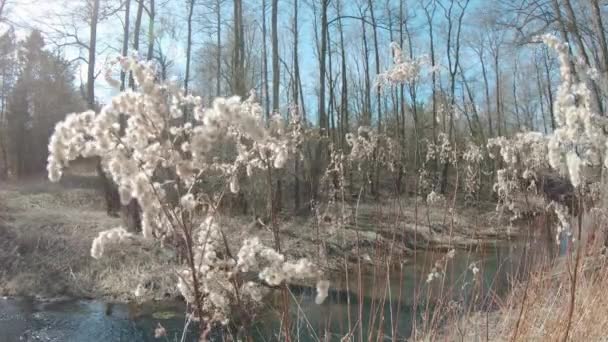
(365, 170)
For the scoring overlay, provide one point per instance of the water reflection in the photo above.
(400, 293)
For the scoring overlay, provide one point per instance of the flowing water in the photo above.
(398, 294)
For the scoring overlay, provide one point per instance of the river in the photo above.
(23, 319)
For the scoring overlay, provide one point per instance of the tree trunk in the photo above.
(92, 55)
(296, 91)
(238, 69)
(110, 192)
(320, 152)
(332, 100)
(367, 111)
(275, 87)
(600, 31)
(429, 16)
(189, 44)
(275, 58)
(125, 44)
(486, 86)
(549, 88)
(515, 100)
(344, 120)
(377, 61)
(130, 213)
(453, 69)
(218, 77)
(265, 63)
(322, 57)
(151, 38)
(497, 94)
(541, 95)
(583, 52)
(136, 36)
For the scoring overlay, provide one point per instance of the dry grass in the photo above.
(46, 232)
(540, 306)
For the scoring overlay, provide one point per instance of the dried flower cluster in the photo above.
(156, 144)
(219, 275)
(580, 140)
(403, 69)
(578, 143)
(438, 269)
(142, 134)
(108, 237)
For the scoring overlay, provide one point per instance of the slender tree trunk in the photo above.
(3, 128)
(110, 191)
(377, 61)
(218, 76)
(296, 91)
(131, 213)
(238, 69)
(323, 122)
(541, 95)
(564, 32)
(275, 87)
(332, 99)
(515, 100)
(191, 4)
(582, 50)
(125, 43)
(151, 38)
(601, 33)
(275, 57)
(549, 88)
(453, 68)
(475, 126)
(344, 120)
(323, 54)
(367, 114)
(92, 55)
(413, 96)
(136, 36)
(265, 63)
(429, 16)
(486, 86)
(497, 94)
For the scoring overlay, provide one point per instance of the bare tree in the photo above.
(275, 57)
(191, 4)
(92, 55)
(454, 22)
(323, 123)
(151, 37)
(296, 99)
(125, 41)
(344, 119)
(218, 12)
(376, 60)
(238, 53)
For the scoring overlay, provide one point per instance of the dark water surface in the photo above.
(394, 293)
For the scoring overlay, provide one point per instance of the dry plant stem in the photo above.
(400, 295)
(277, 244)
(442, 296)
(574, 278)
(415, 305)
(521, 311)
(359, 279)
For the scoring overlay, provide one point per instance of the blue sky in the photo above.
(43, 14)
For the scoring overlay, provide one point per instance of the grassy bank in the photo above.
(45, 239)
(46, 231)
